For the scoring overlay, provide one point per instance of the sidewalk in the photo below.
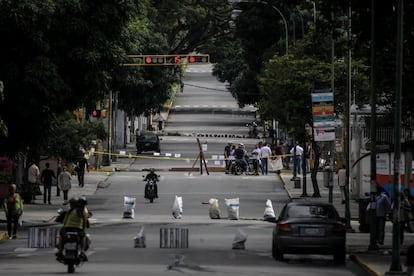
(373, 262)
(39, 213)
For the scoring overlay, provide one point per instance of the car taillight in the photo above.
(284, 227)
(339, 227)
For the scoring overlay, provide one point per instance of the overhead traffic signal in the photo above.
(96, 113)
(99, 113)
(167, 60)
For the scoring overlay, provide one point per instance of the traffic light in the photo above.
(96, 113)
(200, 59)
(154, 60)
(167, 60)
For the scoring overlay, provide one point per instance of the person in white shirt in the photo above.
(256, 159)
(265, 153)
(297, 152)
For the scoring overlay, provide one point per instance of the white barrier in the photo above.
(42, 237)
(174, 238)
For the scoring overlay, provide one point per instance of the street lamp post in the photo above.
(286, 28)
(314, 11)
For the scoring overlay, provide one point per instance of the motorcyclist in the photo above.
(151, 176)
(240, 155)
(76, 220)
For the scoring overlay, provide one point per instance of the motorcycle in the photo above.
(150, 189)
(72, 251)
(236, 167)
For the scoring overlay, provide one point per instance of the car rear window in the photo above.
(309, 211)
(147, 138)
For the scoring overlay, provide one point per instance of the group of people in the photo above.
(64, 179)
(260, 157)
(383, 209)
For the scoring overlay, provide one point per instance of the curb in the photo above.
(366, 267)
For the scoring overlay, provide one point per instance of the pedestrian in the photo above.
(46, 179)
(240, 155)
(81, 167)
(296, 152)
(265, 153)
(181, 86)
(13, 207)
(308, 150)
(342, 182)
(405, 215)
(33, 174)
(64, 183)
(280, 152)
(382, 210)
(409, 261)
(256, 159)
(160, 122)
(227, 153)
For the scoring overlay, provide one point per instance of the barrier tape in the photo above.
(171, 158)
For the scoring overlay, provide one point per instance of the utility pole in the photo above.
(396, 263)
(372, 210)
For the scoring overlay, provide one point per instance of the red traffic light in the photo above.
(154, 60)
(148, 60)
(201, 59)
(96, 113)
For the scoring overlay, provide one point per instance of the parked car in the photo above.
(148, 142)
(309, 228)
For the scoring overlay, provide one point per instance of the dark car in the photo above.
(309, 228)
(148, 142)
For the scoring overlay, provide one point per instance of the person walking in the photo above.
(82, 166)
(33, 174)
(160, 122)
(46, 179)
(342, 182)
(13, 207)
(265, 153)
(64, 183)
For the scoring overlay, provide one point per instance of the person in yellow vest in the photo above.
(76, 220)
(13, 206)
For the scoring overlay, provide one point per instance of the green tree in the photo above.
(55, 56)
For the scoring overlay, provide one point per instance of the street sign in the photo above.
(167, 60)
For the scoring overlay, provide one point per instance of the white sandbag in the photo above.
(129, 207)
(232, 208)
(214, 210)
(269, 213)
(139, 239)
(239, 239)
(177, 210)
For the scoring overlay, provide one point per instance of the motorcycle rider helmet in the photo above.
(82, 201)
(74, 201)
(241, 145)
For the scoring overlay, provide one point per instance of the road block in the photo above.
(42, 237)
(174, 238)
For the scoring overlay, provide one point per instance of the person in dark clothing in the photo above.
(227, 153)
(46, 178)
(240, 154)
(81, 166)
(151, 176)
